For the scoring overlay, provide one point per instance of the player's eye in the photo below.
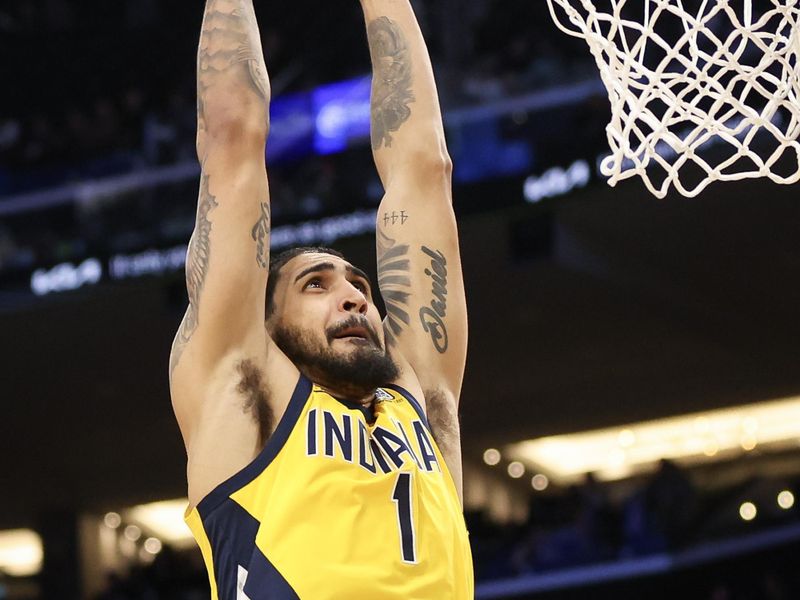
(315, 283)
(360, 286)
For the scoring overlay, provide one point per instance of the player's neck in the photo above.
(351, 395)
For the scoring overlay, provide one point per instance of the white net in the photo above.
(700, 90)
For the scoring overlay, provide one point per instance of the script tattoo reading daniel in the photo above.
(432, 316)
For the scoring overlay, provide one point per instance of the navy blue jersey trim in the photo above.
(413, 401)
(277, 440)
(232, 532)
(265, 582)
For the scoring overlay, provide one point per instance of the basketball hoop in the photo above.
(698, 94)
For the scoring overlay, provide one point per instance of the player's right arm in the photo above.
(221, 349)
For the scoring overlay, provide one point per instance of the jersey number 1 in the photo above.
(402, 498)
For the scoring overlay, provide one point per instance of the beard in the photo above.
(354, 374)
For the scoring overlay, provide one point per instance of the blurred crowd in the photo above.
(78, 115)
(172, 575)
(113, 110)
(583, 525)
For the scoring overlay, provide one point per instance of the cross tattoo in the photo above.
(394, 216)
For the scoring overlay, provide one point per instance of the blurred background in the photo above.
(631, 408)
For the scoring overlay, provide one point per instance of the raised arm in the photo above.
(228, 256)
(419, 267)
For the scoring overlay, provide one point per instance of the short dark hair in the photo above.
(276, 263)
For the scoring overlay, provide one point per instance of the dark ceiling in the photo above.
(638, 308)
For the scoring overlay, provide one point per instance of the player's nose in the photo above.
(352, 300)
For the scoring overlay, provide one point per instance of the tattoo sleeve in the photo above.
(391, 80)
(394, 283)
(260, 234)
(197, 259)
(229, 58)
(230, 49)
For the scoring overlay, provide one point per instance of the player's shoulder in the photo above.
(407, 383)
(428, 390)
(227, 414)
(242, 382)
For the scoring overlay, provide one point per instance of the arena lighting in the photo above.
(786, 499)
(152, 545)
(163, 520)
(516, 469)
(748, 511)
(557, 181)
(539, 482)
(615, 453)
(492, 456)
(133, 532)
(20, 552)
(112, 520)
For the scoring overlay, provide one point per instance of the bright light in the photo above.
(516, 469)
(701, 425)
(539, 482)
(112, 520)
(749, 443)
(626, 438)
(20, 552)
(786, 499)
(617, 458)
(492, 456)
(750, 425)
(748, 511)
(696, 438)
(164, 520)
(711, 449)
(152, 545)
(557, 181)
(133, 533)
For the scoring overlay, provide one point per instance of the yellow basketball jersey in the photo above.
(342, 503)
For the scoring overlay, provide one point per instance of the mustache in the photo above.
(353, 321)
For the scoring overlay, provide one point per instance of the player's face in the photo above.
(326, 295)
(325, 321)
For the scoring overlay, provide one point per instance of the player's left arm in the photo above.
(419, 267)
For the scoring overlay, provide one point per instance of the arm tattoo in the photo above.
(395, 217)
(230, 49)
(230, 44)
(188, 325)
(432, 316)
(197, 259)
(394, 283)
(391, 80)
(199, 252)
(260, 235)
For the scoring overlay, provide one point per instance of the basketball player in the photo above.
(323, 444)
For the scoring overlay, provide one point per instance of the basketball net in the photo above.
(698, 94)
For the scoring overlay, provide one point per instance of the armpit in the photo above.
(443, 419)
(255, 397)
